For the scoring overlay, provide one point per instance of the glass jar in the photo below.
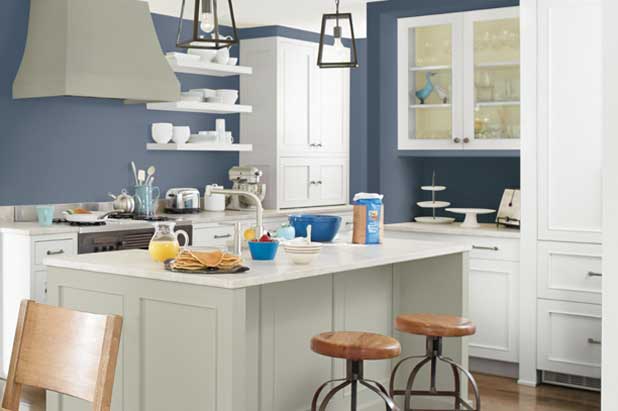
(164, 244)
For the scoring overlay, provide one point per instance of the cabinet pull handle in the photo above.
(593, 274)
(466, 140)
(219, 236)
(457, 140)
(481, 247)
(319, 144)
(593, 341)
(349, 222)
(319, 182)
(57, 252)
(312, 144)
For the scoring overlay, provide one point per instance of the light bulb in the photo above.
(338, 44)
(207, 24)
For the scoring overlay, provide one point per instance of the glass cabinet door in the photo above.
(428, 82)
(492, 89)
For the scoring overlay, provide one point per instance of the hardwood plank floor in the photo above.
(497, 394)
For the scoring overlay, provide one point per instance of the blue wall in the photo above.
(396, 176)
(69, 149)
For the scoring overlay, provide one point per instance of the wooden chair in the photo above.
(65, 351)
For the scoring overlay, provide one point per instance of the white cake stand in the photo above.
(470, 221)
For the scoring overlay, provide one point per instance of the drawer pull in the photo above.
(593, 274)
(480, 247)
(57, 252)
(349, 222)
(593, 341)
(218, 237)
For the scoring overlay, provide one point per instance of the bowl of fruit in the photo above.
(264, 249)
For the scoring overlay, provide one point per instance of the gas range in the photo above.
(119, 222)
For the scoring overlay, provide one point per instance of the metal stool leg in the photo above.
(332, 393)
(381, 392)
(475, 388)
(314, 402)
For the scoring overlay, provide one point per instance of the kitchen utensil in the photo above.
(245, 179)
(182, 200)
(145, 200)
(181, 134)
(470, 221)
(433, 204)
(150, 174)
(141, 177)
(92, 217)
(162, 132)
(434, 220)
(134, 172)
(232, 61)
(324, 227)
(214, 202)
(300, 256)
(205, 55)
(223, 55)
(263, 251)
(45, 214)
(228, 96)
(509, 213)
(164, 243)
(123, 202)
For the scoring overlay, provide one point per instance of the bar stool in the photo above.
(354, 347)
(435, 327)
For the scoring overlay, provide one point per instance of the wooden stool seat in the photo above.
(356, 346)
(435, 325)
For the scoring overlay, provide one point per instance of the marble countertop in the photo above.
(204, 217)
(486, 230)
(336, 257)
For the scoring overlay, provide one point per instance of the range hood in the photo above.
(94, 48)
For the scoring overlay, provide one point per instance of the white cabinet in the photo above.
(458, 81)
(300, 125)
(569, 120)
(212, 235)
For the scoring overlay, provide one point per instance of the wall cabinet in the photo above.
(458, 81)
(300, 124)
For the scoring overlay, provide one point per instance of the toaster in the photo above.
(182, 200)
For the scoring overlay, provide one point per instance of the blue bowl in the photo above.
(324, 228)
(263, 251)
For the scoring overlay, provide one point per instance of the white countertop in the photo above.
(486, 230)
(204, 217)
(337, 257)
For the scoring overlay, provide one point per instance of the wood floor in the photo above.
(497, 394)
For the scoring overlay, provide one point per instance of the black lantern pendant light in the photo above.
(323, 61)
(205, 30)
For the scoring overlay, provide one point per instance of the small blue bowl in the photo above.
(263, 251)
(324, 228)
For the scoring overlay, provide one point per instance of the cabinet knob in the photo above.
(593, 274)
(457, 140)
(466, 140)
(593, 341)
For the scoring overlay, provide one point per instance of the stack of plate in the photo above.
(301, 252)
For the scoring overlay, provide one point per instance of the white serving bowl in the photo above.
(181, 134)
(205, 92)
(228, 96)
(232, 61)
(183, 56)
(162, 132)
(192, 96)
(205, 55)
(301, 258)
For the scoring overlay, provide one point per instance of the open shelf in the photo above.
(199, 147)
(207, 69)
(198, 107)
(497, 103)
(430, 68)
(430, 106)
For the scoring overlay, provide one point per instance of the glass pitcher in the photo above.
(146, 199)
(164, 243)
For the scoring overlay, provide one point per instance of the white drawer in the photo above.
(213, 236)
(48, 248)
(347, 223)
(569, 338)
(569, 271)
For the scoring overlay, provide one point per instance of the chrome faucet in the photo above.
(259, 210)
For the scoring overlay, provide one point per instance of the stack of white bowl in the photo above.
(210, 96)
(302, 252)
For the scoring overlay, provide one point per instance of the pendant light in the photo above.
(205, 30)
(333, 61)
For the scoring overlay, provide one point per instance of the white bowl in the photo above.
(183, 56)
(205, 55)
(301, 258)
(232, 61)
(218, 100)
(204, 92)
(181, 134)
(228, 96)
(162, 132)
(192, 96)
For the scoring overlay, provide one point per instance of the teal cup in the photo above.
(146, 200)
(45, 214)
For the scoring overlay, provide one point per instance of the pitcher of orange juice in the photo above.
(164, 243)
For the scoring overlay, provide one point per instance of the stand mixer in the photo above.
(247, 179)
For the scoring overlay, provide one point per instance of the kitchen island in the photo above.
(241, 341)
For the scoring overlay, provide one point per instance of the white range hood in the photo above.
(94, 48)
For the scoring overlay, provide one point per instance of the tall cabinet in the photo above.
(300, 124)
(561, 179)
(458, 81)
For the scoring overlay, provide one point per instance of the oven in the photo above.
(131, 239)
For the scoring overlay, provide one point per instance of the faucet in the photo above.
(259, 210)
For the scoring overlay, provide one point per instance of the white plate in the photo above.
(433, 204)
(437, 220)
(93, 217)
(433, 188)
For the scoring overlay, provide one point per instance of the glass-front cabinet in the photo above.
(458, 81)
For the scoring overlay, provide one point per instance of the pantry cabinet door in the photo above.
(569, 120)
(331, 181)
(297, 100)
(295, 183)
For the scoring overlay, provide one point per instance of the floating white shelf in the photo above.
(430, 68)
(498, 64)
(430, 106)
(208, 69)
(497, 103)
(197, 107)
(199, 147)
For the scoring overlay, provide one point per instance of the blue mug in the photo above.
(45, 214)
(146, 199)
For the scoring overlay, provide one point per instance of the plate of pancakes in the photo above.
(193, 261)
